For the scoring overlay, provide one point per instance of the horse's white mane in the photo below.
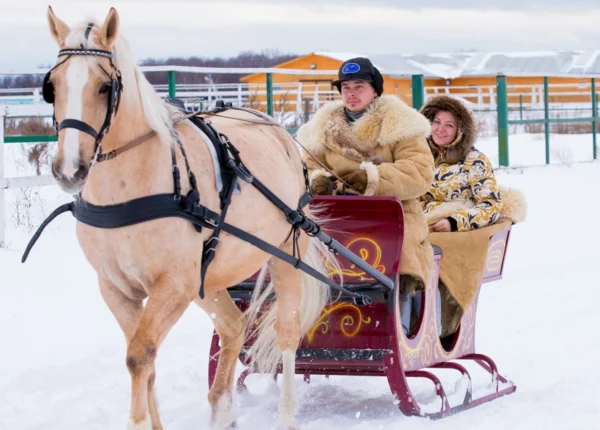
(136, 88)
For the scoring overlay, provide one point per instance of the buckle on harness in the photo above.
(362, 299)
(212, 223)
(240, 171)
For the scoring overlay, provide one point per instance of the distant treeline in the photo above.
(267, 58)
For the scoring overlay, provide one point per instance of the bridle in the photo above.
(115, 90)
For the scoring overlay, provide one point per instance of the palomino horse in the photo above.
(159, 260)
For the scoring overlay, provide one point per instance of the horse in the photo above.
(149, 272)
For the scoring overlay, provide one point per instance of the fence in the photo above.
(497, 101)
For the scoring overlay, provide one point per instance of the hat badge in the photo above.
(350, 68)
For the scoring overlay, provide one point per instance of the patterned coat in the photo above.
(470, 184)
(464, 189)
(389, 143)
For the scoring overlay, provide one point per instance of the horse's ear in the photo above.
(58, 28)
(110, 28)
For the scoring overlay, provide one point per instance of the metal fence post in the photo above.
(2, 206)
(172, 84)
(547, 119)
(270, 94)
(306, 109)
(502, 112)
(594, 116)
(521, 106)
(418, 91)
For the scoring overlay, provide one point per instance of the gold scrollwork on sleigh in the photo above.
(350, 322)
(369, 251)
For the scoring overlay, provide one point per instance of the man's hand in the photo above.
(320, 186)
(357, 180)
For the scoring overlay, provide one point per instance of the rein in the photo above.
(268, 121)
(180, 117)
(188, 206)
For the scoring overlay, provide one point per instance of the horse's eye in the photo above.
(104, 88)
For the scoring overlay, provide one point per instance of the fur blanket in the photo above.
(464, 255)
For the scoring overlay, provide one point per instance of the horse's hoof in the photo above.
(232, 426)
(293, 426)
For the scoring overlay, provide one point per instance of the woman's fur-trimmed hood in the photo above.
(386, 121)
(467, 126)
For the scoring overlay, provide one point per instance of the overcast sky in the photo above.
(207, 28)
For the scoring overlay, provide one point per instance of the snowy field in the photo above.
(62, 355)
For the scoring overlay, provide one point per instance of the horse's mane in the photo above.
(136, 88)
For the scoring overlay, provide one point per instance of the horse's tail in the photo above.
(264, 354)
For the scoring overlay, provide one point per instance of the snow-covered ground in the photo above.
(62, 355)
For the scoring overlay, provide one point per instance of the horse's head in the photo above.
(85, 88)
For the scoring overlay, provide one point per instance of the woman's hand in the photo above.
(442, 226)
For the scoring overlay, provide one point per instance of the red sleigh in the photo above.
(368, 340)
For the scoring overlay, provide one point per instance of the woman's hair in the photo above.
(466, 130)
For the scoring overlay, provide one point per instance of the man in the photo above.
(377, 145)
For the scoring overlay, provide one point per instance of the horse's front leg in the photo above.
(168, 299)
(128, 313)
(230, 325)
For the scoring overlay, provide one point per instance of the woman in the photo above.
(377, 145)
(464, 194)
(463, 197)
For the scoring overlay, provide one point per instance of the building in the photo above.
(471, 75)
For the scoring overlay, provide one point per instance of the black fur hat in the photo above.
(359, 69)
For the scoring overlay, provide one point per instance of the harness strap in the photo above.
(210, 246)
(162, 206)
(67, 207)
(296, 262)
(112, 154)
(79, 125)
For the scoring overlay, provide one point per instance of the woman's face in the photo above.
(444, 128)
(357, 95)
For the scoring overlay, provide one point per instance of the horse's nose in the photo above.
(81, 173)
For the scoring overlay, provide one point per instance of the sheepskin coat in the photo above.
(389, 143)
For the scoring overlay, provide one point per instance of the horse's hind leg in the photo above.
(287, 283)
(230, 325)
(169, 298)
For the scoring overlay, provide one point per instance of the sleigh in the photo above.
(367, 339)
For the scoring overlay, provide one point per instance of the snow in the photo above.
(62, 355)
(528, 54)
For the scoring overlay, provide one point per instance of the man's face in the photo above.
(357, 95)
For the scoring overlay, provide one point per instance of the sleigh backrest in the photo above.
(371, 227)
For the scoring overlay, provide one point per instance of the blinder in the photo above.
(48, 89)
